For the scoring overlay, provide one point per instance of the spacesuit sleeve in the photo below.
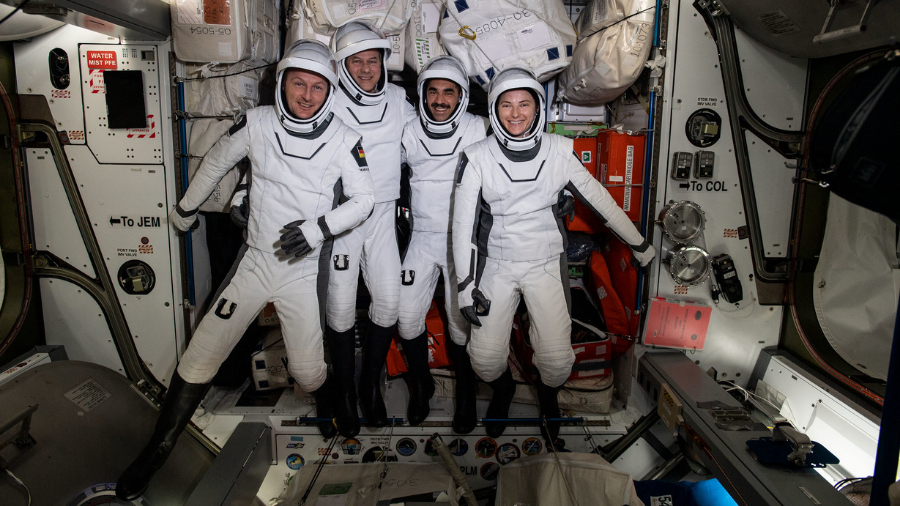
(221, 158)
(466, 213)
(592, 194)
(409, 112)
(358, 188)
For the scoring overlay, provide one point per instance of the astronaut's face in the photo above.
(304, 92)
(515, 109)
(441, 97)
(365, 68)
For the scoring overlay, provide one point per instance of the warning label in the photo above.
(102, 60)
(88, 395)
(778, 23)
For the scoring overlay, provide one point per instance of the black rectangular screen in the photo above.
(125, 106)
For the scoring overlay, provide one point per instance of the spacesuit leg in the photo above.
(218, 332)
(551, 325)
(551, 337)
(489, 345)
(464, 414)
(380, 265)
(298, 311)
(418, 279)
(229, 317)
(340, 313)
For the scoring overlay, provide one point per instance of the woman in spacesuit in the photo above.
(298, 152)
(508, 241)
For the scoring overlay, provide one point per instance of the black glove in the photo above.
(241, 214)
(481, 307)
(637, 265)
(293, 242)
(565, 205)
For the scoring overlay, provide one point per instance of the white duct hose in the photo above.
(502, 33)
(455, 472)
(612, 55)
(390, 16)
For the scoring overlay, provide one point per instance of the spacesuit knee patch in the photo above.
(221, 305)
(341, 262)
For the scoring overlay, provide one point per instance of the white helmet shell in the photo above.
(315, 57)
(449, 68)
(354, 38)
(515, 78)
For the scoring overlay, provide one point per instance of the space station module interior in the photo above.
(718, 329)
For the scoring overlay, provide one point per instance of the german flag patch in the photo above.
(359, 155)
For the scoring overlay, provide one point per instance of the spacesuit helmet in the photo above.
(449, 68)
(353, 38)
(313, 56)
(515, 78)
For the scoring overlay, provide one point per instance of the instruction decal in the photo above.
(88, 395)
(137, 221)
(102, 60)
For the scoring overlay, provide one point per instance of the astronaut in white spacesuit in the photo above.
(433, 143)
(508, 241)
(377, 110)
(299, 151)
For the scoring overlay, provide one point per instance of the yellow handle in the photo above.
(467, 33)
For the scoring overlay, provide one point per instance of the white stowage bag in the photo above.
(612, 55)
(390, 16)
(422, 40)
(301, 29)
(222, 96)
(530, 33)
(565, 479)
(224, 31)
(204, 135)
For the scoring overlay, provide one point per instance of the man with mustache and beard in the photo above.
(433, 142)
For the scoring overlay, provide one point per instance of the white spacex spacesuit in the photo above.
(296, 165)
(432, 152)
(379, 117)
(508, 242)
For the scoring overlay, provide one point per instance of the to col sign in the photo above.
(102, 60)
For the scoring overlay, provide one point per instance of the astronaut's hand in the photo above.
(565, 205)
(240, 214)
(644, 258)
(481, 306)
(293, 242)
(183, 220)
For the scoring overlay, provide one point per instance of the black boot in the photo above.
(181, 401)
(342, 348)
(378, 342)
(464, 417)
(325, 398)
(549, 404)
(504, 390)
(421, 386)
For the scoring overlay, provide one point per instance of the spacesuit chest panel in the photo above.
(520, 197)
(293, 178)
(432, 175)
(381, 127)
